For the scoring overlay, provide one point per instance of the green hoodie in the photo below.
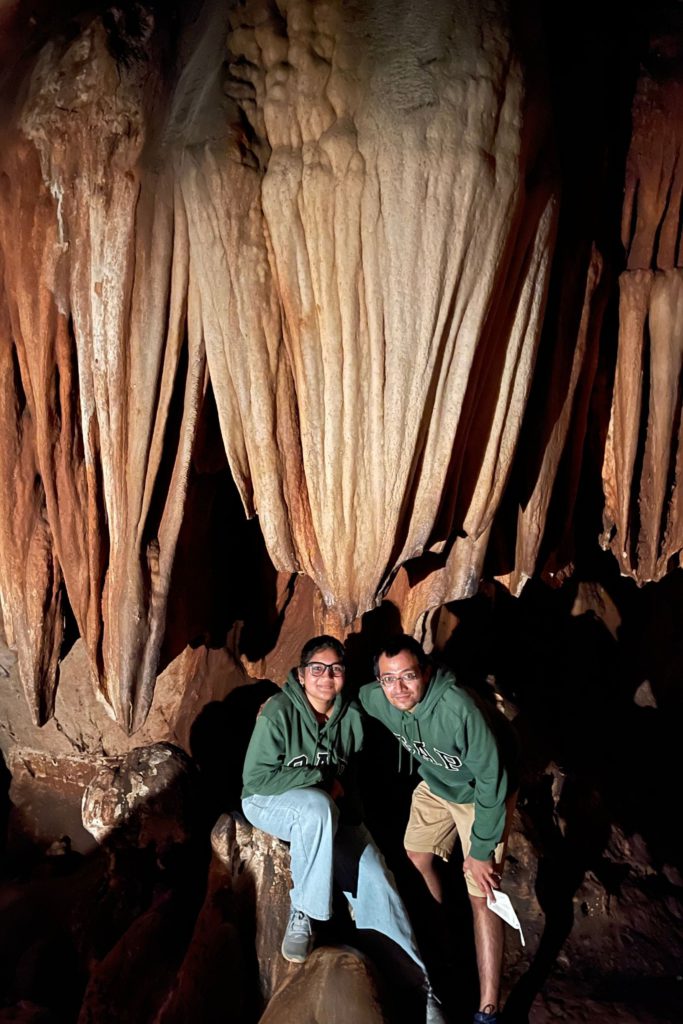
(290, 749)
(459, 757)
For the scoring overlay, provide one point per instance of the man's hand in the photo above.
(484, 873)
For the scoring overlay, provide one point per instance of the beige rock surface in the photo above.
(102, 350)
(81, 727)
(334, 986)
(392, 393)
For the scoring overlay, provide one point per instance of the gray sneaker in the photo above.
(296, 945)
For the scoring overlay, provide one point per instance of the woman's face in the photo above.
(322, 678)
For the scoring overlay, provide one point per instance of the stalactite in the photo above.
(642, 471)
(342, 215)
(97, 269)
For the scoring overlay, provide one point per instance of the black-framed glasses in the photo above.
(321, 668)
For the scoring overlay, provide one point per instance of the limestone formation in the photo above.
(349, 212)
(118, 989)
(335, 986)
(30, 573)
(143, 797)
(563, 426)
(259, 865)
(642, 471)
(338, 223)
(213, 976)
(108, 373)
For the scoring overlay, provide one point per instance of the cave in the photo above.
(349, 317)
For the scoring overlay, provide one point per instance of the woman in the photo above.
(299, 786)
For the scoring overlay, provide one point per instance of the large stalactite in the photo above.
(335, 206)
(344, 218)
(111, 371)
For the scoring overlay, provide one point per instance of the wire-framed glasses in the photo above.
(390, 682)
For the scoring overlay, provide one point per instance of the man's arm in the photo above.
(485, 874)
(482, 757)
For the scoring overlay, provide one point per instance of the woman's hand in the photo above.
(336, 790)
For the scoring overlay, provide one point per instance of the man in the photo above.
(466, 789)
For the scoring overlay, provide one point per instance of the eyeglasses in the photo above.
(320, 668)
(391, 682)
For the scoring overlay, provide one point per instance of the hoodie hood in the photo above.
(324, 736)
(296, 693)
(438, 684)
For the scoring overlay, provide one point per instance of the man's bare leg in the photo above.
(488, 940)
(425, 864)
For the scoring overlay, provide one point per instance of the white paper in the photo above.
(502, 905)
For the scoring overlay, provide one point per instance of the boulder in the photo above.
(334, 986)
(259, 867)
(145, 797)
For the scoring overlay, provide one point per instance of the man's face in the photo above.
(406, 683)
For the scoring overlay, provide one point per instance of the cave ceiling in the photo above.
(397, 255)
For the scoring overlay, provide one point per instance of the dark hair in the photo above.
(396, 645)
(319, 643)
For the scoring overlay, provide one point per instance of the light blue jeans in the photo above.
(322, 851)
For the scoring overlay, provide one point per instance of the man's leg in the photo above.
(488, 940)
(427, 865)
(489, 929)
(429, 837)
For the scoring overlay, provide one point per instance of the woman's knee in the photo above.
(319, 804)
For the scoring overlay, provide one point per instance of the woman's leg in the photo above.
(307, 820)
(369, 886)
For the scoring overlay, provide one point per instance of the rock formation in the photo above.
(643, 459)
(259, 867)
(143, 798)
(329, 315)
(335, 986)
(343, 225)
(347, 220)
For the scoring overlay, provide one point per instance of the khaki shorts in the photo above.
(435, 824)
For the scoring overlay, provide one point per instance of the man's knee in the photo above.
(422, 861)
